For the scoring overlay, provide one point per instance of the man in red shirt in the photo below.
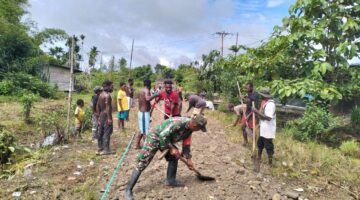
(171, 100)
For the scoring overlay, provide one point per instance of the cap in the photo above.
(200, 121)
(97, 89)
(265, 92)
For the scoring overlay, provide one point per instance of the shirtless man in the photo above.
(144, 111)
(104, 110)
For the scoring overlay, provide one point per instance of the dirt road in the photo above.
(73, 171)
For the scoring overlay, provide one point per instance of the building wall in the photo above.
(60, 77)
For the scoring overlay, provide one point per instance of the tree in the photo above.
(94, 52)
(122, 63)
(112, 64)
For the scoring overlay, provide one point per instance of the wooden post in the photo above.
(254, 129)
(70, 88)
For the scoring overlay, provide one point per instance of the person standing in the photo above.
(144, 111)
(104, 109)
(94, 100)
(171, 100)
(247, 118)
(122, 106)
(164, 137)
(79, 117)
(267, 116)
(130, 95)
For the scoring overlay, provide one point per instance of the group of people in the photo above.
(264, 110)
(175, 128)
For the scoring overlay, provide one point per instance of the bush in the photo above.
(88, 119)
(350, 148)
(355, 117)
(7, 146)
(314, 122)
(27, 101)
(18, 83)
(53, 121)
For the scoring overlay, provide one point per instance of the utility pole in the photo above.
(131, 55)
(70, 87)
(223, 35)
(236, 43)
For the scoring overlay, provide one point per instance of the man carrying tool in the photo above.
(247, 119)
(163, 137)
(144, 111)
(195, 102)
(104, 109)
(267, 118)
(171, 99)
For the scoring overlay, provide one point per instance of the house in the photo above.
(60, 76)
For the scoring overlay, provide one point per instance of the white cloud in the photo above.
(176, 31)
(275, 3)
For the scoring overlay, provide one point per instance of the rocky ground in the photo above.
(73, 171)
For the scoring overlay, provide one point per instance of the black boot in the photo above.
(270, 160)
(257, 162)
(133, 179)
(171, 175)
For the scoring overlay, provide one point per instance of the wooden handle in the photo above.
(162, 111)
(237, 82)
(254, 131)
(162, 155)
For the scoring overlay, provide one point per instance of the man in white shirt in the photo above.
(267, 118)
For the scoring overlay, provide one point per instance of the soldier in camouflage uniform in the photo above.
(164, 137)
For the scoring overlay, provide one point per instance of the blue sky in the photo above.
(169, 32)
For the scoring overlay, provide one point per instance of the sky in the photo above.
(169, 32)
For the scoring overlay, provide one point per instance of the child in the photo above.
(79, 117)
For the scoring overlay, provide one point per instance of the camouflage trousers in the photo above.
(148, 151)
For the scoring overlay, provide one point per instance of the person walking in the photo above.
(164, 137)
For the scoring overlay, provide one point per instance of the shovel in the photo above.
(197, 173)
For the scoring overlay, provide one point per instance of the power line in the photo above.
(222, 35)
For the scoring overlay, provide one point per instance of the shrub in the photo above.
(314, 122)
(88, 119)
(27, 101)
(350, 148)
(355, 117)
(53, 121)
(18, 83)
(7, 146)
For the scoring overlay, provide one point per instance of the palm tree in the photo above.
(92, 56)
(235, 49)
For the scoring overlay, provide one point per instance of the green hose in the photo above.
(117, 168)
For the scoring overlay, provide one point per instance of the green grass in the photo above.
(350, 148)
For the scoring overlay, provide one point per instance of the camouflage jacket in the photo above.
(174, 130)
